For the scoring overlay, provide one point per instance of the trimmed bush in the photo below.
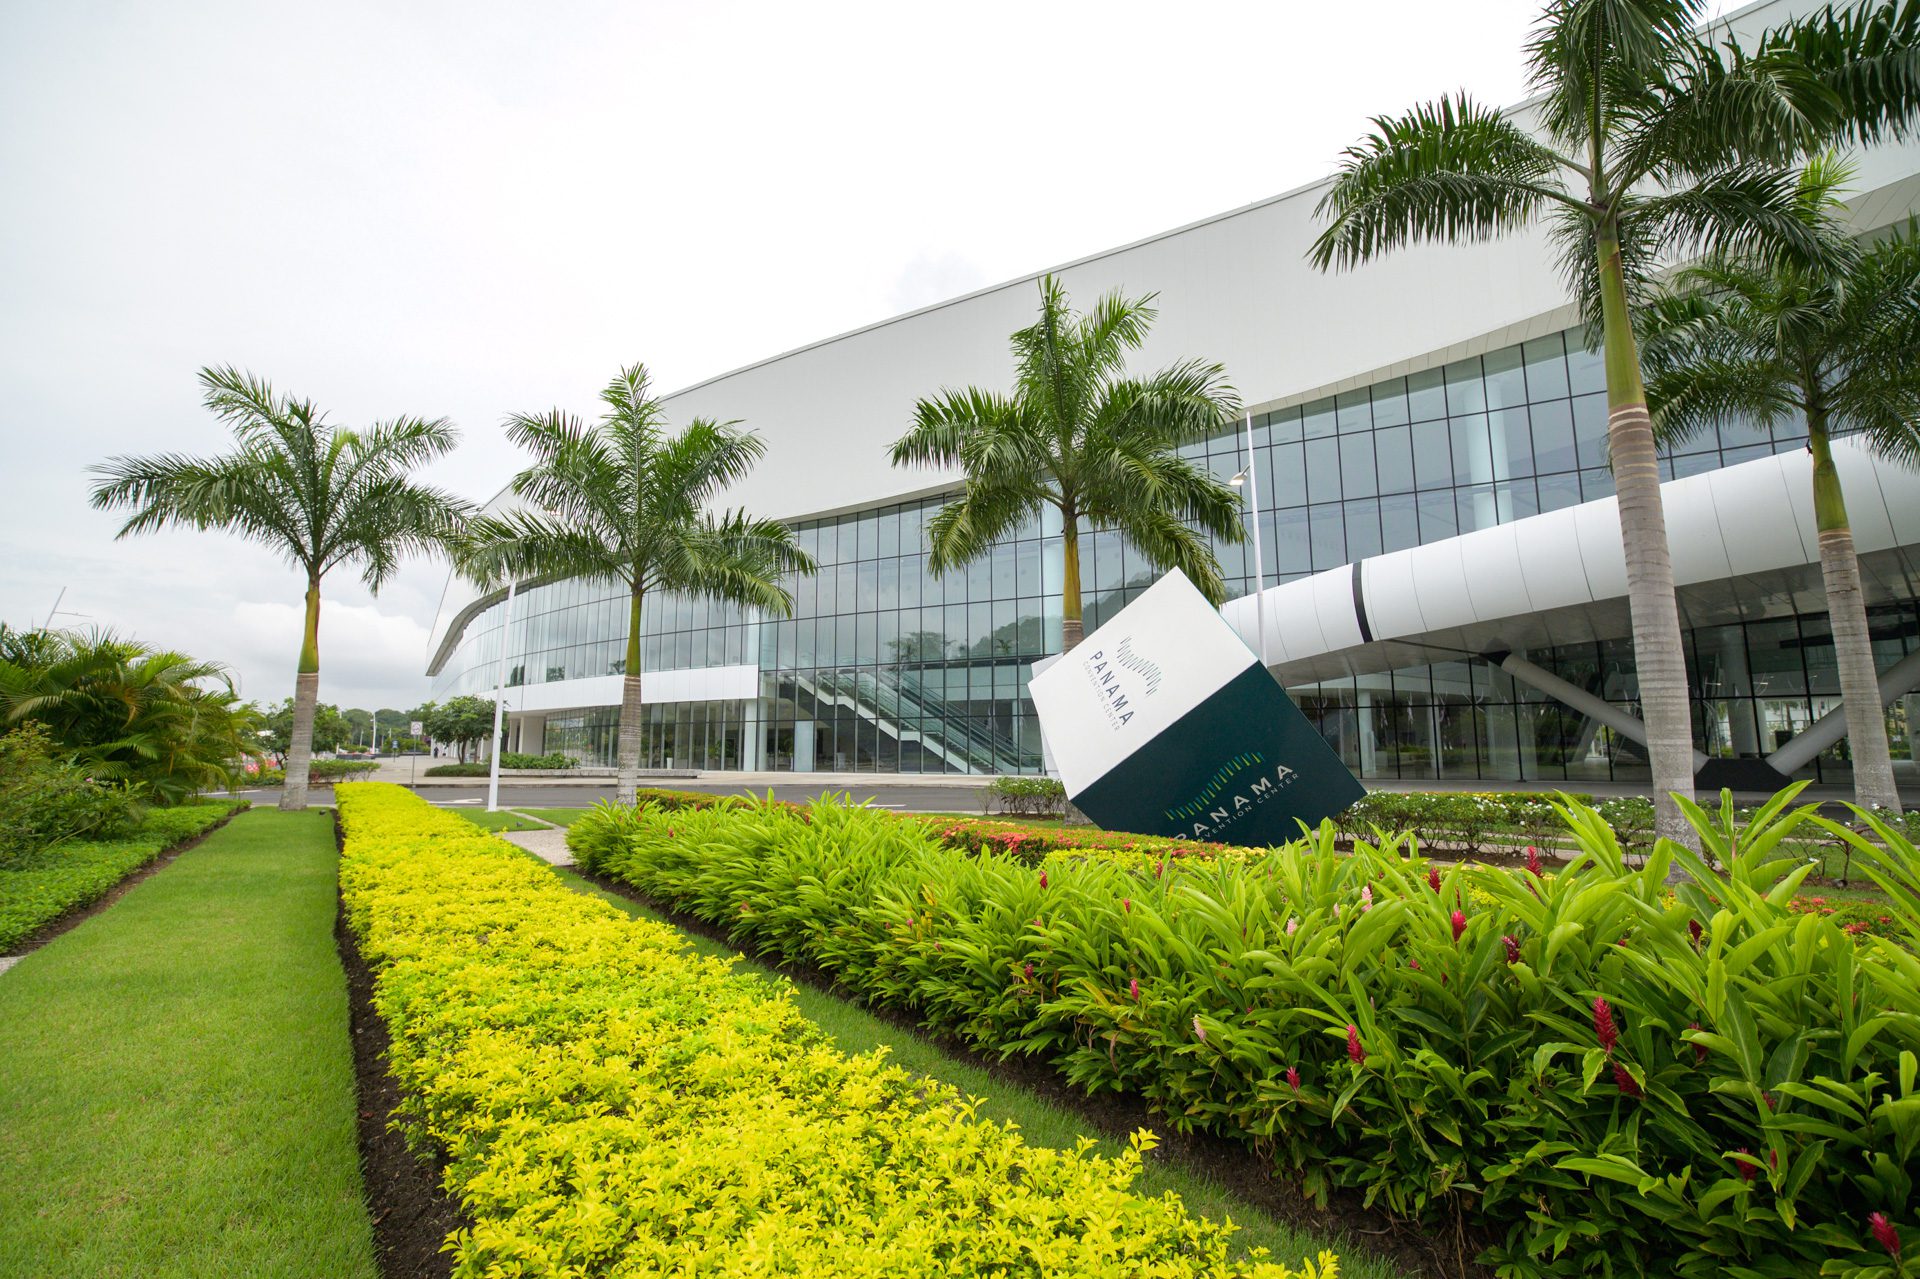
(1603, 1073)
(1028, 796)
(55, 881)
(515, 759)
(607, 1102)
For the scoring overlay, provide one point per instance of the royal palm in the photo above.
(321, 496)
(1834, 341)
(624, 501)
(1652, 144)
(1079, 434)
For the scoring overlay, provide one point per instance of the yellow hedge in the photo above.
(609, 1103)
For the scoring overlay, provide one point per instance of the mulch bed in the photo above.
(1237, 1168)
(412, 1216)
(81, 914)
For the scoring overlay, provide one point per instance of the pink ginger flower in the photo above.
(1293, 924)
(1355, 1053)
(1884, 1234)
(1126, 905)
(1603, 1027)
(1624, 1081)
(1133, 988)
(1293, 1078)
(1366, 898)
(1459, 922)
(1512, 944)
(1199, 1031)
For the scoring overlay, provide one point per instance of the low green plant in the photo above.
(517, 759)
(1589, 1072)
(458, 770)
(38, 889)
(46, 798)
(1027, 796)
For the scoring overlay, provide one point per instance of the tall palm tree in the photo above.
(1652, 144)
(321, 496)
(623, 501)
(1080, 435)
(1835, 341)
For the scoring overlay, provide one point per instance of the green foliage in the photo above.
(1750, 1097)
(323, 772)
(460, 722)
(608, 1102)
(516, 759)
(1029, 796)
(163, 723)
(45, 798)
(36, 890)
(459, 770)
(331, 728)
(1081, 435)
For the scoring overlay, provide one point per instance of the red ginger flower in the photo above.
(1459, 924)
(1624, 1081)
(1433, 879)
(1355, 1053)
(1043, 879)
(1293, 1078)
(1884, 1234)
(1744, 1164)
(1133, 988)
(1512, 944)
(1694, 930)
(1533, 861)
(1699, 1050)
(1028, 970)
(1603, 1026)
(1126, 905)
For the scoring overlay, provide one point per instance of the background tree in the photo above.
(623, 501)
(1081, 436)
(329, 731)
(319, 495)
(1653, 144)
(166, 724)
(359, 725)
(1837, 341)
(461, 722)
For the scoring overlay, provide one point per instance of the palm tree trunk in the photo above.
(1072, 629)
(631, 711)
(1847, 611)
(306, 696)
(1659, 655)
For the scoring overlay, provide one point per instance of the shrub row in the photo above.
(1031, 796)
(608, 1102)
(42, 887)
(1604, 1073)
(321, 772)
(517, 759)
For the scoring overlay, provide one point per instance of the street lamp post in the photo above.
(500, 704)
(1251, 479)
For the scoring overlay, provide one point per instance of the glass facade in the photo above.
(886, 667)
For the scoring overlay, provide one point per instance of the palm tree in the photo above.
(1834, 341)
(322, 496)
(1078, 434)
(623, 502)
(1652, 144)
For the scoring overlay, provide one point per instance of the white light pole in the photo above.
(499, 704)
(1251, 479)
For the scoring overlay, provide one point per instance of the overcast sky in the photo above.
(469, 209)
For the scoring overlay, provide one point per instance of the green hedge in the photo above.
(607, 1102)
(1601, 1072)
(69, 876)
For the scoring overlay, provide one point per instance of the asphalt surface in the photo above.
(899, 798)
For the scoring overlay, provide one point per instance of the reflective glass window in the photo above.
(1586, 370)
(1506, 382)
(1512, 442)
(1317, 418)
(1289, 477)
(1390, 403)
(1427, 395)
(1356, 465)
(1323, 470)
(1590, 429)
(1363, 528)
(1329, 536)
(1546, 367)
(1353, 411)
(1399, 522)
(1466, 393)
(1432, 455)
(1393, 448)
(1553, 448)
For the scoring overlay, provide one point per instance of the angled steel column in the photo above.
(1901, 677)
(1578, 698)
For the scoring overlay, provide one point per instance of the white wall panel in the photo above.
(1496, 586)
(1693, 531)
(1549, 549)
(1440, 580)
(1393, 605)
(1597, 526)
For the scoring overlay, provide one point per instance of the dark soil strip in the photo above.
(81, 914)
(1230, 1163)
(412, 1216)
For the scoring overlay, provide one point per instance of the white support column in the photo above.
(1901, 677)
(1594, 708)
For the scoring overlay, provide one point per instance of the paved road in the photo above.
(898, 797)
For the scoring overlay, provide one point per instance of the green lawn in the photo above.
(176, 1080)
(557, 816)
(858, 1031)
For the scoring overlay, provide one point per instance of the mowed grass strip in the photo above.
(176, 1082)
